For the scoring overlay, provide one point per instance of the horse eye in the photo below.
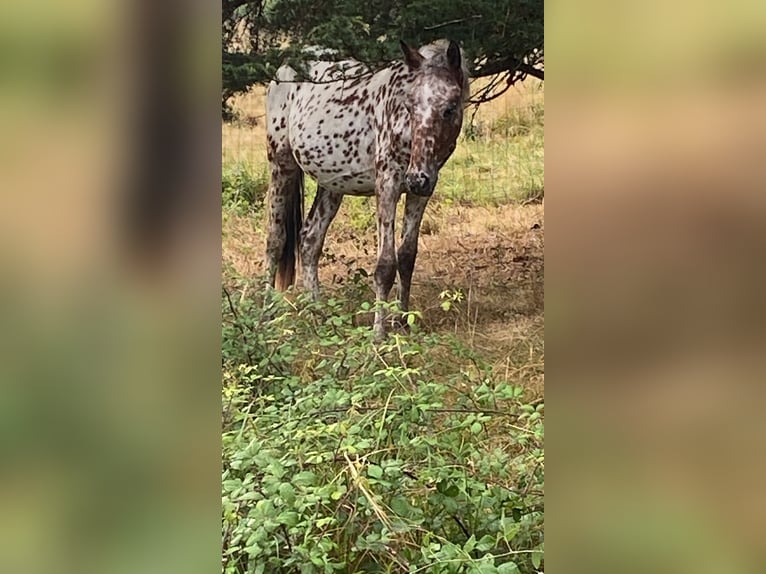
(450, 111)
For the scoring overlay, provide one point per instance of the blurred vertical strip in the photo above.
(172, 130)
(161, 136)
(655, 315)
(109, 286)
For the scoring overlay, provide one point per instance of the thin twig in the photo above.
(456, 518)
(359, 483)
(236, 320)
(456, 21)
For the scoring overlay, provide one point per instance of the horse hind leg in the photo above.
(285, 219)
(323, 211)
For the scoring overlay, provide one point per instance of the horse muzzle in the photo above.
(420, 183)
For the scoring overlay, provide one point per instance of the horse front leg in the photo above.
(385, 271)
(414, 208)
(323, 211)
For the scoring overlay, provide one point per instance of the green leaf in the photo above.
(510, 530)
(401, 506)
(305, 478)
(374, 471)
(486, 543)
(476, 427)
(447, 488)
(470, 544)
(508, 568)
(288, 518)
(338, 493)
(537, 558)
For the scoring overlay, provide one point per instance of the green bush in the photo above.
(243, 188)
(342, 455)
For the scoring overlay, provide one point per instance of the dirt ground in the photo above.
(493, 255)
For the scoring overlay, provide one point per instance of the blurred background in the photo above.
(655, 177)
(109, 239)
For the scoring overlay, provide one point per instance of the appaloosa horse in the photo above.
(360, 133)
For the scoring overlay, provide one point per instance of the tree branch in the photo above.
(456, 21)
(532, 71)
(494, 67)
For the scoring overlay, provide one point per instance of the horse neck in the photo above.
(393, 83)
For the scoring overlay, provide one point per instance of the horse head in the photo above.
(436, 112)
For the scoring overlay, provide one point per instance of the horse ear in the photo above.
(454, 61)
(453, 56)
(412, 58)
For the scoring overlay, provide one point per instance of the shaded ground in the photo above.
(493, 255)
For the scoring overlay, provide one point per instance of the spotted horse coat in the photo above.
(359, 132)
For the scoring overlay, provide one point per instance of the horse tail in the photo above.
(292, 225)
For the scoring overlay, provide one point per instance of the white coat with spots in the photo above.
(360, 133)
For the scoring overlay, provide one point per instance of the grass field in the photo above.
(479, 345)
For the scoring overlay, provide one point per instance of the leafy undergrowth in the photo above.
(244, 187)
(345, 455)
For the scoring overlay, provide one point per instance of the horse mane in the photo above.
(435, 55)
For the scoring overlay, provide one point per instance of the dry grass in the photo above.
(245, 140)
(519, 96)
(494, 256)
